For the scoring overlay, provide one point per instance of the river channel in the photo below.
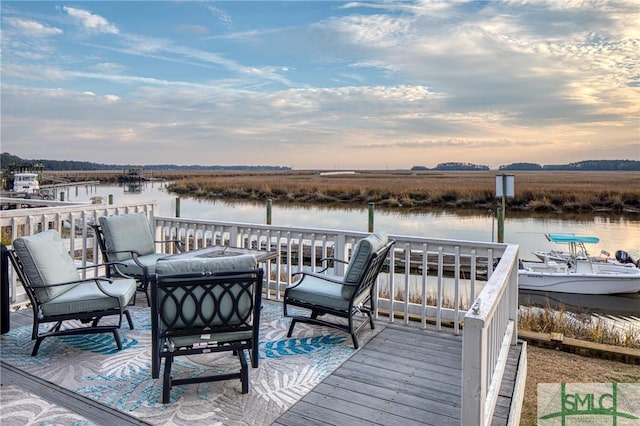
(615, 231)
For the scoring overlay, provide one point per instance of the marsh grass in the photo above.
(545, 192)
(581, 326)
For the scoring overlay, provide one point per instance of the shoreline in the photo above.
(558, 342)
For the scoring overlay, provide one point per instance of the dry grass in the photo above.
(535, 191)
(584, 327)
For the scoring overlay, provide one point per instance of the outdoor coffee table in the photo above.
(224, 251)
(262, 257)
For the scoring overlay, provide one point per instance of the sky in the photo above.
(321, 84)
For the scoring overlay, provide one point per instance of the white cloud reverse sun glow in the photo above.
(321, 84)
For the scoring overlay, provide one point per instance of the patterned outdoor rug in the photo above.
(92, 366)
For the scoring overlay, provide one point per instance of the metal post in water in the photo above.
(269, 211)
(505, 185)
(370, 217)
(493, 224)
(177, 206)
(501, 224)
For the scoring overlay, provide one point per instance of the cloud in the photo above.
(375, 85)
(220, 14)
(32, 28)
(93, 24)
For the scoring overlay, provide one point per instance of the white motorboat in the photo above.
(578, 251)
(26, 182)
(578, 274)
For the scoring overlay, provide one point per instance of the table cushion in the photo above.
(175, 265)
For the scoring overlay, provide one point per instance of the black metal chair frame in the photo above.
(366, 306)
(143, 279)
(84, 317)
(163, 290)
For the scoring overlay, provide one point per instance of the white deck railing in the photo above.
(468, 284)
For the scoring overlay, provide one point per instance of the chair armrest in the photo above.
(133, 252)
(332, 259)
(134, 256)
(79, 281)
(324, 277)
(107, 264)
(328, 261)
(179, 244)
(97, 265)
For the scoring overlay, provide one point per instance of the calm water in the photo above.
(615, 232)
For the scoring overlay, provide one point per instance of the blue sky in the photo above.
(321, 85)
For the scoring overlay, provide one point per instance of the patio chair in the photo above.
(202, 305)
(341, 296)
(58, 293)
(127, 243)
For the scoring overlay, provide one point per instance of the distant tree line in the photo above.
(589, 165)
(8, 161)
(452, 166)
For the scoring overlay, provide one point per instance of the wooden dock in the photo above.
(421, 386)
(402, 376)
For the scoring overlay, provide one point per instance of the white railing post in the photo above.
(474, 367)
(513, 300)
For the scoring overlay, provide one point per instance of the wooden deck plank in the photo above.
(89, 409)
(419, 368)
(313, 414)
(505, 394)
(399, 376)
(356, 413)
(403, 401)
(415, 375)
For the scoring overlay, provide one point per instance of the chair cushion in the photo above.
(361, 255)
(316, 291)
(46, 261)
(127, 232)
(87, 297)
